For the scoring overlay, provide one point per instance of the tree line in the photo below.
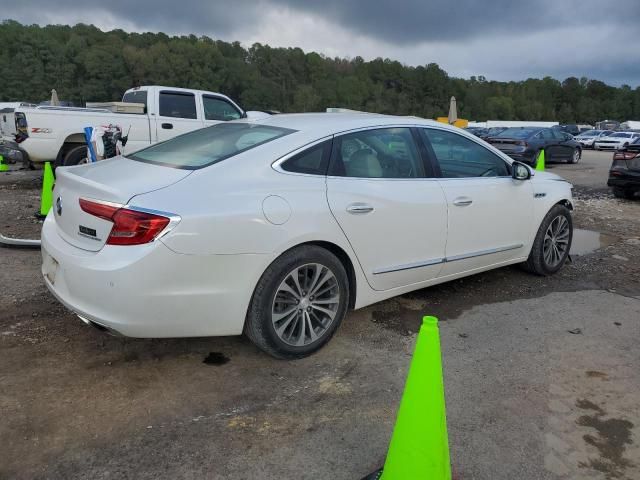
(84, 63)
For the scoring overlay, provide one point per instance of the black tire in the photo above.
(576, 156)
(75, 156)
(623, 193)
(536, 262)
(259, 326)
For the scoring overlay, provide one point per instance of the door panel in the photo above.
(494, 227)
(394, 218)
(177, 114)
(489, 213)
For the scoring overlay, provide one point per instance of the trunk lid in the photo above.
(506, 144)
(116, 181)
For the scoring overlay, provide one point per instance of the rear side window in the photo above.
(136, 96)
(377, 153)
(219, 109)
(313, 161)
(178, 105)
(207, 146)
(460, 157)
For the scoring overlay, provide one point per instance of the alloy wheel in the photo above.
(576, 156)
(305, 304)
(556, 241)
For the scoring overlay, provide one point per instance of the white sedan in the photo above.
(277, 227)
(615, 141)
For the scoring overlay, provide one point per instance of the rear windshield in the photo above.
(517, 132)
(207, 146)
(136, 96)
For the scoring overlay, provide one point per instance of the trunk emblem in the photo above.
(59, 206)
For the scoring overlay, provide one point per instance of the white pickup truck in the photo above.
(56, 134)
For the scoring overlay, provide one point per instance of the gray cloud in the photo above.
(500, 39)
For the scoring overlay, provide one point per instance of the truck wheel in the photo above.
(75, 156)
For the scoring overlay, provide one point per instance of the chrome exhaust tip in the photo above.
(99, 327)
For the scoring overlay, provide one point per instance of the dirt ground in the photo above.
(542, 374)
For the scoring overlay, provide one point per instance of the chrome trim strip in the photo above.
(483, 252)
(436, 261)
(409, 266)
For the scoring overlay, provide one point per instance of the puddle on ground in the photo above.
(588, 241)
(216, 358)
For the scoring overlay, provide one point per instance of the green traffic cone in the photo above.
(540, 161)
(3, 166)
(46, 199)
(419, 447)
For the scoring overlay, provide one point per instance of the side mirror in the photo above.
(519, 171)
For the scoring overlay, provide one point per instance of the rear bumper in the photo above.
(12, 153)
(524, 157)
(628, 181)
(149, 290)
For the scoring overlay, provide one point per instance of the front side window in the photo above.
(207, 146)
(219, 109)
(460, 157)
(178, 105)
(377, 153)
(313, 161)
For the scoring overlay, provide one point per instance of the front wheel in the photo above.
(552, 243)
(298, 303)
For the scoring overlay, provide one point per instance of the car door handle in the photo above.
(167, 126)
(359, 208)
(462, 201)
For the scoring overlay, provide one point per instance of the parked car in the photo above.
(616, 140)
(276, 228)
(56, 134)
(525, 143)
(587, 139)
(624, 175)
(478, 131)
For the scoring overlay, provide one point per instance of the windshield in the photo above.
(207, 146)
(517, 133)
(590, 133)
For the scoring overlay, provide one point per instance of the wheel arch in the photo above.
(565, 203)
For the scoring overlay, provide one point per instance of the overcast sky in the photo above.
(500, 39)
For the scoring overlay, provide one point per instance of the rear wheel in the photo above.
(299, 302)
(76, 156)
(575, 156)
(552, 243)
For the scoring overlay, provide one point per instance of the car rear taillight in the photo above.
(130, 227)
(625, 155)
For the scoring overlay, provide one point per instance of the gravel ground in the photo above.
(542, 374)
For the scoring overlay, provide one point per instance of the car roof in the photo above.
(329, 123)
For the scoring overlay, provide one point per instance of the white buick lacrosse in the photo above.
(277, 227)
